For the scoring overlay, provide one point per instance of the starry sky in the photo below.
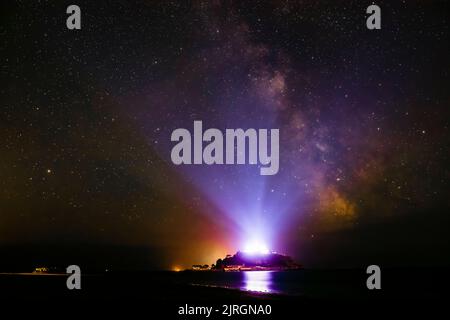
(86, 118)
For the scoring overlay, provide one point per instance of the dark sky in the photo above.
(86, 118)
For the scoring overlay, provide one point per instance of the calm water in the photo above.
(328, 284)
(295, 283)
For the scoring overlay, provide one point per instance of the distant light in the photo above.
(256, 248)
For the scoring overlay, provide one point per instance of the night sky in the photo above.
(86, 118)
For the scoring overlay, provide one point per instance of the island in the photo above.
(243, 261)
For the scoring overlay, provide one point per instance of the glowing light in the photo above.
(256, 248)
(258, 281)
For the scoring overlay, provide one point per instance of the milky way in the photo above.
(86, 121)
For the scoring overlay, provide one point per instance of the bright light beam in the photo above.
(256, 248)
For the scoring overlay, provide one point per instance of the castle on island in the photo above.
(243, 261)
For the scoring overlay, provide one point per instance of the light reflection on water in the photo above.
(259, 281)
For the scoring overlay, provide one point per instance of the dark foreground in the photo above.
(397, 284)
(285, 291)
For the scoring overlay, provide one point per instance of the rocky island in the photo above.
(243, 261)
